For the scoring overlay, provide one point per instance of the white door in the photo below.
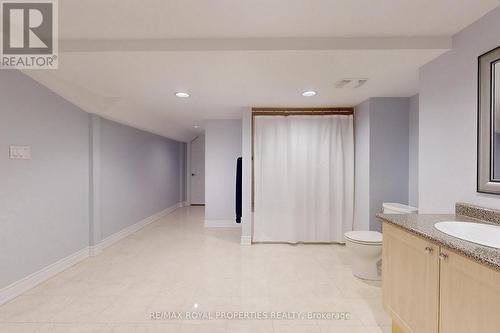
(198, 171)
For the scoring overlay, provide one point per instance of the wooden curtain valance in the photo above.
(302, 111)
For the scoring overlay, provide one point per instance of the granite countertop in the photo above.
(423, 225)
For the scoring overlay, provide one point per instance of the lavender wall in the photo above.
(448, 120)
(389, 145)
(140, 175)
(44, 202)
(222, 149)
(362, 166)
(413, 153)
(382, 155)
(48, 207)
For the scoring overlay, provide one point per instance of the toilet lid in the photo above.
(364, 236)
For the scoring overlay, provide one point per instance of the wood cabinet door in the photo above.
(470, 296)
(410, 280)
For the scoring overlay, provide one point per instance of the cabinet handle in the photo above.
(429, 249)
(443, 256)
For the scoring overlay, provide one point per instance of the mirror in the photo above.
(496, 116)
(488, 154)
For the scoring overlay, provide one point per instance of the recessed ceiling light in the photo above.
(196, 126)
(309, 93)
(182, 94)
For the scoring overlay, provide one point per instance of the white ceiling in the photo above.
(129, 19)
(119, 60)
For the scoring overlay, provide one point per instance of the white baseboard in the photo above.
(17, 288)
(222, 224)
(94, 250)
(185, 204)
(110, 240)
(246, 240)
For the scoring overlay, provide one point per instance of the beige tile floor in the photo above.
(175, 264)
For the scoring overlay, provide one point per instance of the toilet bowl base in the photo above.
(367, 269)
(366, 261)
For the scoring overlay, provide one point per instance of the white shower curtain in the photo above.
(304, 178)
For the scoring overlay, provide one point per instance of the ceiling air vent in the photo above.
(350, 83)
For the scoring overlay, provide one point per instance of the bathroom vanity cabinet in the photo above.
(469, 296)
(410, 280)
(428, 288)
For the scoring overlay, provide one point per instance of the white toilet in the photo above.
(366, 246)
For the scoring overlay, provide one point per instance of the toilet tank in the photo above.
(397, 208)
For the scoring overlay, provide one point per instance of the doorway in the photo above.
(197, 172)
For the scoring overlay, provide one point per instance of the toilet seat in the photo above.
(364, 237)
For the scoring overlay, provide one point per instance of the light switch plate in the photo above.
(20, 152)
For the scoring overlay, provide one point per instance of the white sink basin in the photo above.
(484, 234)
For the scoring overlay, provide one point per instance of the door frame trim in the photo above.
(188, 173)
